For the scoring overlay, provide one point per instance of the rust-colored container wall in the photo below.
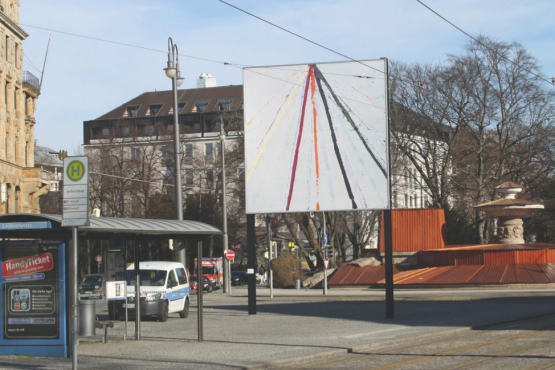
(489, 255)
(416, 230)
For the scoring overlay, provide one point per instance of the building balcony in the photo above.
(31, 83)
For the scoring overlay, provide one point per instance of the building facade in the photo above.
(21, 184)
(131, 148)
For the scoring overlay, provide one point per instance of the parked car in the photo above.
(207, 285)
(164, 290)
(238, 277)
(92, 286)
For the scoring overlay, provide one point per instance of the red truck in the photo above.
(213, 269)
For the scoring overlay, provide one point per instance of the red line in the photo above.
(295, 161)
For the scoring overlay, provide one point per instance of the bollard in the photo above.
(297, 284)
(87, 318)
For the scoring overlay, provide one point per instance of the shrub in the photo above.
(286, 269)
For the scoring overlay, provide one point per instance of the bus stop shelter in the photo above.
(36, 290)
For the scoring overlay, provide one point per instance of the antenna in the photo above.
(44, 64)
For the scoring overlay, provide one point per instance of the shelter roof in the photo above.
(114, 225)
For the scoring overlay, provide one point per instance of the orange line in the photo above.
(315, 125)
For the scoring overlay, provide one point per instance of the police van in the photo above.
(164, 289)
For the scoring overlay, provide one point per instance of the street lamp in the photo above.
(172, 71)
(224, 209)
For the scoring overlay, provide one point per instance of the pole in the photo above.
(137, 294)
(75, 339)
(388, 229)
(251, 264)
(325, 241)
(173, 62)
(227, 288)
(199, 292)
(269, 242)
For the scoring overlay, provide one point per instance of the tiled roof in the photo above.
(188, 96)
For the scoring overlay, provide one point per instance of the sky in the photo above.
(105, 52)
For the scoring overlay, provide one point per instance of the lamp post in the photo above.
(224, 210)
(172, 71)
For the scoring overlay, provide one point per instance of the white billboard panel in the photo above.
(316, 137)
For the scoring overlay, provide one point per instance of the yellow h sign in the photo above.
(75, 171)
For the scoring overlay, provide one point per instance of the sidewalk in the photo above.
(295, 324)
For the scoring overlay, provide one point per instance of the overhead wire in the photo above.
(297, 35)
(131, 45)
(484, 45)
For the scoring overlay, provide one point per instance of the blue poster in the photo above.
(33, 298)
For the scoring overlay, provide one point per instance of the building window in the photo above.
(179, 108)
(105, 132)
(6, 47)
(149, 130)
(167, 152)
(188, 150)
(6, 93)
(135, 153)
(125, 131)
(200, 106)
(15, 99)
(209, 149)
(210, 176)
(223, 104)
(189, 177)
(131, 111)
(16, 53)
(153, 110)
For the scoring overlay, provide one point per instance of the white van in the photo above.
(164, 290)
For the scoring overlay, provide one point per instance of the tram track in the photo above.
(480, 347)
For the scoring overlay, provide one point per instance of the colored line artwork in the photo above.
(316, 137)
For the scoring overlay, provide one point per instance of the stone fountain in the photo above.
(509, 212)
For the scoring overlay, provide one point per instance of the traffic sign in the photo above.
(326, 263)
(76, 192)
(98, 258)
(229, 255)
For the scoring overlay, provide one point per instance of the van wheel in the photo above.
(185, 313)
(164, 312)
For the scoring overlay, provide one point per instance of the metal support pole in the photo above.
(269, 242)
(325, 241)
(137, 294)
(388, 229)
(251, 264)
(388, 265)
(199, 292)
(224, 212)
(173, 65)
(75, 304)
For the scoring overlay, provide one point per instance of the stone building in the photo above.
(21, 184)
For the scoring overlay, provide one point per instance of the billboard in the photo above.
(316, 137)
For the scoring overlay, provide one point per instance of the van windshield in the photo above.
(147, 277)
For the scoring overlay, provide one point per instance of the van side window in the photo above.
(172, 281)
(181, 276)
